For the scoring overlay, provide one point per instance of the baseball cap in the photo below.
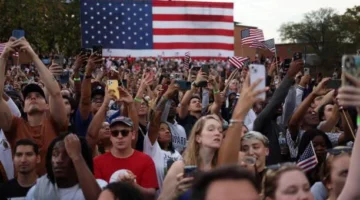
(32, 87)
(125, 120)
(98, 90)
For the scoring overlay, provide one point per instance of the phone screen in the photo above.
(18, 34)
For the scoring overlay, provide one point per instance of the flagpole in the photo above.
(312, 146)
(276, 61)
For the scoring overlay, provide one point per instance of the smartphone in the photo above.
(306, 71)
(59, 59)
(190, 171)
(205, 69)
(97, 50)
(297, 56)
(350, 65)
(333, 84)
(18, 33)
(85, 51)
(183, 85)
(196, 68)
(258, 71)
(64, 77)
(286, 63)
(113, 88)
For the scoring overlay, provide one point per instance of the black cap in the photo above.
(98, 90)
(32, 87)
(124, 120)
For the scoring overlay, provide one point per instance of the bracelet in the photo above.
(77, 79)
(138, 100)
(216, 91)
(358, 120)
(233, 121)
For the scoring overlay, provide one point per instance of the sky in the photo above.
(268, 15)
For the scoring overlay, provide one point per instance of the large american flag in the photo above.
(152, 28)
(308, 159)
(237, 61)
(252, 37)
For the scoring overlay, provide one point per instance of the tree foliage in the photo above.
(50, 25)
(329, 34)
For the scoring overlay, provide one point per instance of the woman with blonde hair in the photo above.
(286, 182)
(204, 146)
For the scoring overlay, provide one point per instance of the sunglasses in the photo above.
(124, 133)
(338, 151)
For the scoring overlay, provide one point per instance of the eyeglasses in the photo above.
(339, 150)
(124, 133)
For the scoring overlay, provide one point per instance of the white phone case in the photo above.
(258, 71)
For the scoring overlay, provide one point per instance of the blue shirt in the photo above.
(82, 125)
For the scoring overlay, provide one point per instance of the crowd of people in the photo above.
(78, 139)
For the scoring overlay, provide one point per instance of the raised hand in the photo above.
(79, 62)
(295, 67)
(350, 95)
(9, 48)
(73, 146)
(125, 96)
(171, 90)
(321, 87)
(93, 61)
(22, 45)
(56, 69)
(248, 97)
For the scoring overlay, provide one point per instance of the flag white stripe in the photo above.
(167, 53)
(193, 25)
(192, 11)
(193, 38)
(306, 163)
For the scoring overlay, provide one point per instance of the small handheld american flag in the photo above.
(187, 60)
(252, 37)
(2, 47)
(237, 61)
(308, 159)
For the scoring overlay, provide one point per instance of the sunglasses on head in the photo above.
(338, 151)
(124, 133)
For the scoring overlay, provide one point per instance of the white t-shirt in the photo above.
(178, 136)
(160, 158)
(5, 149)
(71, 193)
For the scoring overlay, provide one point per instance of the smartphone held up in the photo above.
(350, 65)
(258, 72)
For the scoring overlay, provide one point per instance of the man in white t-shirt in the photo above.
(6, 162)
(69, 167)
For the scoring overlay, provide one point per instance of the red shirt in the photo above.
(138, 163)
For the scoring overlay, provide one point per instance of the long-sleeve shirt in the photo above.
(266, 124)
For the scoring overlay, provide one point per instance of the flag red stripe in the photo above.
(184, 31)
(193, 46)
(185, 17)
(194, 58)
(192, 4)
(306, 162)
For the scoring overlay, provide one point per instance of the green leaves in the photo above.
(329, 34)
(50, 26)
